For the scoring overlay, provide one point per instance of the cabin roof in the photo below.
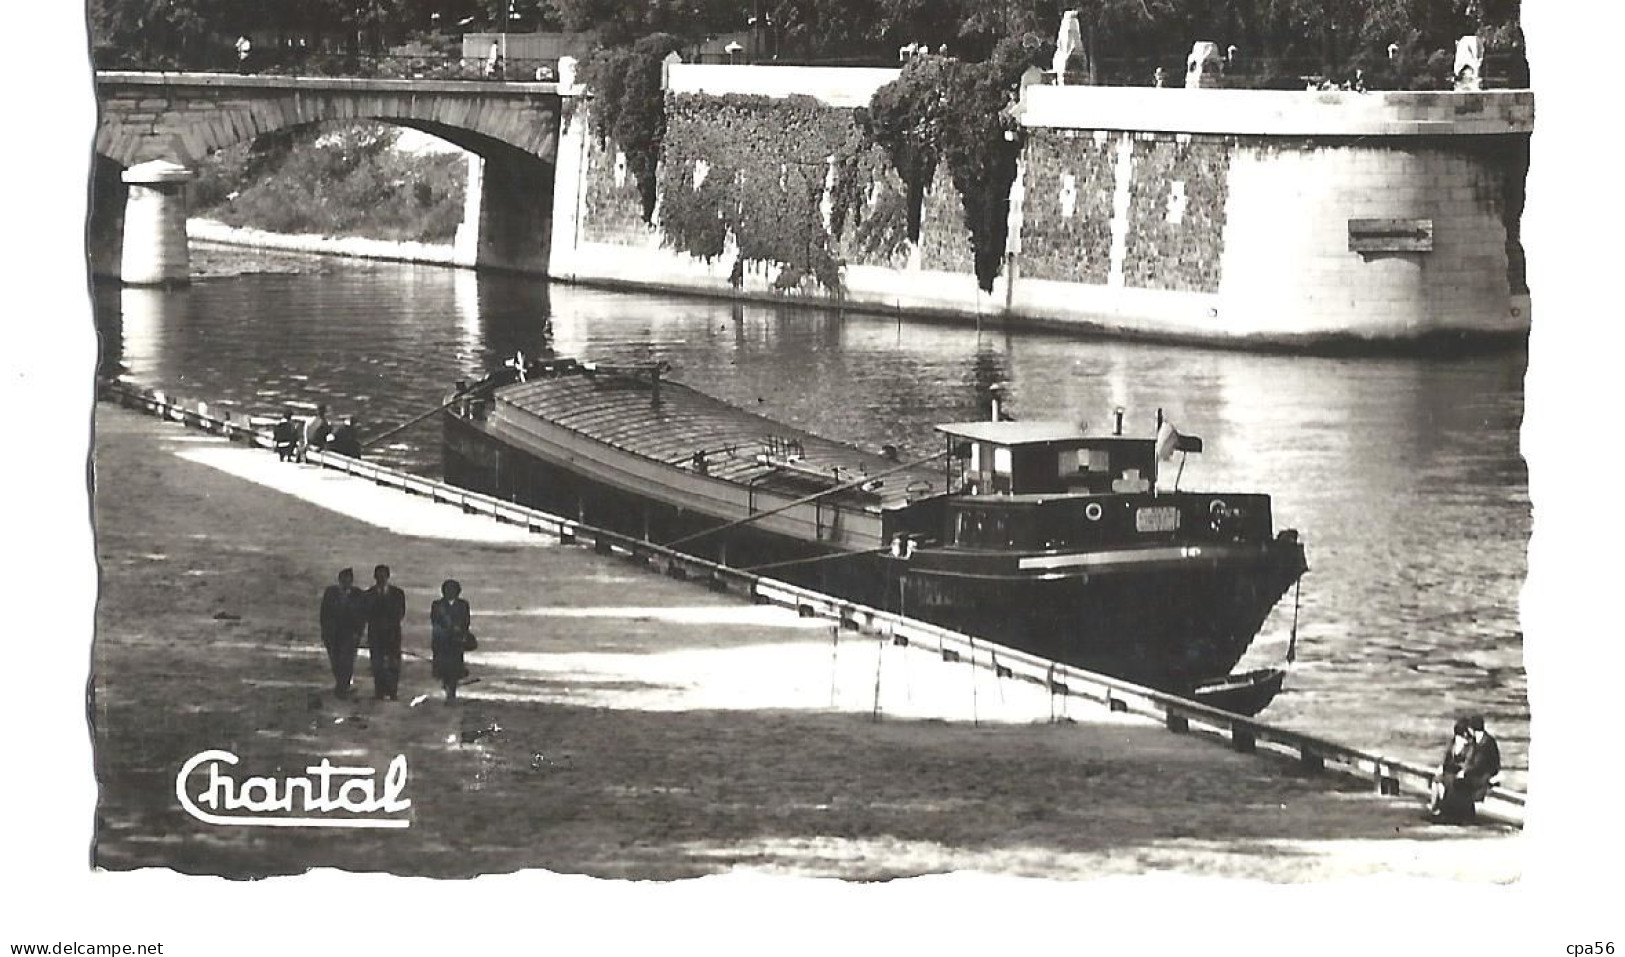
(1014, 433)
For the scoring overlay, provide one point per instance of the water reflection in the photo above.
(1404, 475)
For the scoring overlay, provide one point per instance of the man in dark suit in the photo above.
(385, 608)
(343, 617)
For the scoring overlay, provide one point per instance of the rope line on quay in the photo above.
(1388, 776)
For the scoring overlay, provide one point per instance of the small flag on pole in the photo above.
(1171, 440)
(1167, 440)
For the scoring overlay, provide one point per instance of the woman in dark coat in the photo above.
(1452, 801)
(449, 617)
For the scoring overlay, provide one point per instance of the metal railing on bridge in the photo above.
(1309, 752)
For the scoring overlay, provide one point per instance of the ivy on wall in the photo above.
(629, 105)
(941, 109)
(810, 187)
(764, 173)
(869, 218)
(906, 119)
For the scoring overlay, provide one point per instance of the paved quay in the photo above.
(629, 725)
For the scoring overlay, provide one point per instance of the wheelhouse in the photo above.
(1050, 458)
(1042, 486)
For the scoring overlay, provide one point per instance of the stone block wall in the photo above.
(1233, 227)
(944, 239)
(1069, 185)
(1178, 188)
(612, 208)
(1287, 266)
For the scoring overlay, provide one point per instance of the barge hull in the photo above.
(1170, 626)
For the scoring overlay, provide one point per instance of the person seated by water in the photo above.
(1446, 792)
(285, 436)
(1469, 771)
(1483, 760)
(345, 440)
(317, 433)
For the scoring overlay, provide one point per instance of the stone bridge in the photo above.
(155, 127)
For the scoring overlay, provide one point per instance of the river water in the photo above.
(1403, 475)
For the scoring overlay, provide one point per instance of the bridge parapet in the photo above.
(110, 80)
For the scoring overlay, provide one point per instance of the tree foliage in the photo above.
(755, 169)
(906, 118)
(1336, 36)
(942, 110)
(629, 105)
(331, 179)
(619, 23)
(159, 32)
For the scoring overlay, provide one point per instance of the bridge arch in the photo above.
(185, 117)
(512, 130)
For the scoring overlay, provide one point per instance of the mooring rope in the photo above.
(808, 561)
(465, 394)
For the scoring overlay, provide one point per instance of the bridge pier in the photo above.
(104, 233)
(155, 249)
(507, 213)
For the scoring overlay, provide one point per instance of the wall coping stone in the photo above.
(843, 86)
(1278, 112)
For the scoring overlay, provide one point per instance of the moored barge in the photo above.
(1034, 535)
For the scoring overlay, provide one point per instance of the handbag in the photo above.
(469, 641)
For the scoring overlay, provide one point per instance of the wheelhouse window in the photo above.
(985, 528)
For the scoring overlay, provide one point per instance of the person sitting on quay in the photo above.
(1467, 774)
(317, 432)
(342, 618)
(1445, 794)
(285, 436)
(345, 441)
(1483, 760)
(450, 618)
(385, 607)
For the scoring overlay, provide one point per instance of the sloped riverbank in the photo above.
(628, 725)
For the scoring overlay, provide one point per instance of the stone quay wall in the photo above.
(1216, 215)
